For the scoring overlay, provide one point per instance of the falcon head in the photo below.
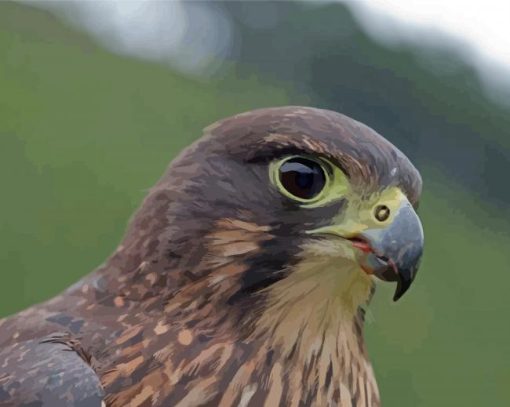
(283, 205)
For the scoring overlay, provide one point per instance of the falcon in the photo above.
(241, 281)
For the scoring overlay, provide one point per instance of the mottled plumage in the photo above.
(220, 293)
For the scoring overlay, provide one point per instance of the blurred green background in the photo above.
(84, 132)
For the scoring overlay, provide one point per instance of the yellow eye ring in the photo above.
(311, 182)
(301, 179)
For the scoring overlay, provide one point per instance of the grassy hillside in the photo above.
(83, 134)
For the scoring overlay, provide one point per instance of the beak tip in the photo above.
(402, 286)
(397, 297)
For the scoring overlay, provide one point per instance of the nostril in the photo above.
(381, 213)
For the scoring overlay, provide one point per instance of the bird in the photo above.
(242, 279)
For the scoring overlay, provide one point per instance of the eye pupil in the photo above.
(302, 178)
(382, 213)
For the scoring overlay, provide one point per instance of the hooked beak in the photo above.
(394, 252)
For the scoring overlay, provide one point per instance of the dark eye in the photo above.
(302, 178)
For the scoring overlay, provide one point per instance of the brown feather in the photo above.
(171, 318)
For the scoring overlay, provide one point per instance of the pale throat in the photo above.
(313, 324)
(319, 301)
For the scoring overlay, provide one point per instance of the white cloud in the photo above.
(481, 29)
(197, 37)
(191, 36)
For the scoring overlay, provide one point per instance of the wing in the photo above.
(47, 373)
